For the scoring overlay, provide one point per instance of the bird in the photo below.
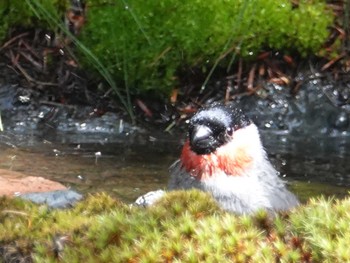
(224, 156)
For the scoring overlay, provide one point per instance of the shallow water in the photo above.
(128, 168)
(307, 137)
(124, 171)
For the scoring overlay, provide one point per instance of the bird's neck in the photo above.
(229, 160)
(240, 156)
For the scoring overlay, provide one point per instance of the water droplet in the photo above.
(152, 139)
(56, 152)
(121, 126)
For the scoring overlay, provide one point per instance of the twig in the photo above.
(56, 104)
(6, 44)
(29, 48)
(332, 62)
(26, 75)
(239, 74)
(30, 79)
(251, 76)
(14, 212)
(29, 58)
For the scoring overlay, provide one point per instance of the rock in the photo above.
(54, 199)
(36, 189)
(15, 183)
(150, 198)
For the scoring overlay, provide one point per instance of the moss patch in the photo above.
(146, 44)
(23, 14)
(182, 227)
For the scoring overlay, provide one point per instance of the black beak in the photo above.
(201, 139)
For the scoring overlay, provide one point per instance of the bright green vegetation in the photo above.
(23, 14)
(147, 45)
(182, 227)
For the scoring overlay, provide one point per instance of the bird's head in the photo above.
(221, 139)
(211, 128)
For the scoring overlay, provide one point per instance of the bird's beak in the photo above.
(201, 138)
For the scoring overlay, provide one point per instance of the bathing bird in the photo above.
(224, 156)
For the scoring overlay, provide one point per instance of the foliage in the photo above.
(142, 46)
(22, 13)
(145, 44)
(182, 227)
(49, 15)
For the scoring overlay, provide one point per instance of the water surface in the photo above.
(128, 168)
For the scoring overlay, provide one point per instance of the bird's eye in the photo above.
(229, 131)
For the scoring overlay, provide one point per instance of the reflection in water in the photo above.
(127, 170)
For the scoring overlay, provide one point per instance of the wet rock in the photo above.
(340, 120)
(15, 183)
(54, 199)
(149, 198)
(36, 189)
(32, 114)
(316, 110)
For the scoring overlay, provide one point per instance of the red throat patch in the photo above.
(233, 161)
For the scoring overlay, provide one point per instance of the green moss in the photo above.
(325, 227)
(24, 14)
(183, 227)
(146, 44)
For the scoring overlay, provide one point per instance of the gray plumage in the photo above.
(224, 131)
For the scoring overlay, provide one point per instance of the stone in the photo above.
(36, 189)
(16, 183)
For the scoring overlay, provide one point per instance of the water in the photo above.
(316, 165)
(307, 137)
(128, 168)
(124, 170)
